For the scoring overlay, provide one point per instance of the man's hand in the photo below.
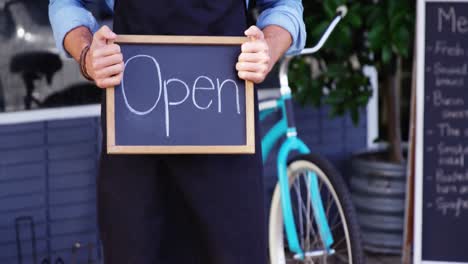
(254, 62)
(104, 61)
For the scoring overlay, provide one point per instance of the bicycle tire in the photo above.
(333, 182)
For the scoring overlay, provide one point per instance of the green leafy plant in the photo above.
(378, 33)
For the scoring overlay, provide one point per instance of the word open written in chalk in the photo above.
(162, 86)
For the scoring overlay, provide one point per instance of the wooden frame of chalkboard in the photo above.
(440, 45)
(247, 148)
(420, 52)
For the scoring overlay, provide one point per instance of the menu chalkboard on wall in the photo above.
(180, 95)
(441, 223)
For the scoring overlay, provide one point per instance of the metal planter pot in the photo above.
(378, 190)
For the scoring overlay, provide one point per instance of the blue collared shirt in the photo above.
(66, 15)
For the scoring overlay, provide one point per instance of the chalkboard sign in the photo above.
(441, 207)
(180, 94)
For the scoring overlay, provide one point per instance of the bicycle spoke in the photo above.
(306, 240)
(309, 224)
(305, 209)
(298, 198)
(329, 202)
(344, 258)
(340, 252)
(333, 227)
(309, 229)
(339, 242)
(317, 242)
(335, 222)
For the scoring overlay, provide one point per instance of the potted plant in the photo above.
(377, 33)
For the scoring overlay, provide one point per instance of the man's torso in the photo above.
(180, 17)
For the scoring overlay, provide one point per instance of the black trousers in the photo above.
(200, 209)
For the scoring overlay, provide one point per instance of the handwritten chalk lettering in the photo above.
(457, 149)
(448, 19)
(440, 100)
(195, 88)
(158, 72)
(453, 206)
(446, 189)
(460, 70)
(164, 87)
(443, 176)
(220, 87)
(448, 114)
(463, 189)
(450, 82)
(455, 161)
(167, 102)
(446, 130)
(442, 48)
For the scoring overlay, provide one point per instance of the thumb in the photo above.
(254, 32)
(103, 35)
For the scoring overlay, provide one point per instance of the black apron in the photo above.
(174, 209)
(180, 17)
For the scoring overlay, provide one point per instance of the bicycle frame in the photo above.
(286, 127)
(292, 143)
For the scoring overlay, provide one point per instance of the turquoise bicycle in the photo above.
(312, 218)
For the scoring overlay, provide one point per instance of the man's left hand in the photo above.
(254, 62)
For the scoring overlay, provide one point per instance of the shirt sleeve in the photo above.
(287, 14)
(65, 15)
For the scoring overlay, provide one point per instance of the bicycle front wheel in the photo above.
(339, 212)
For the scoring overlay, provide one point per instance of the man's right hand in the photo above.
(104, 61)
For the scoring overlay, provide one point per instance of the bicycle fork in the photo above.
(294, 143)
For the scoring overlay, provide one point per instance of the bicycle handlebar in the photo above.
(341, 12)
